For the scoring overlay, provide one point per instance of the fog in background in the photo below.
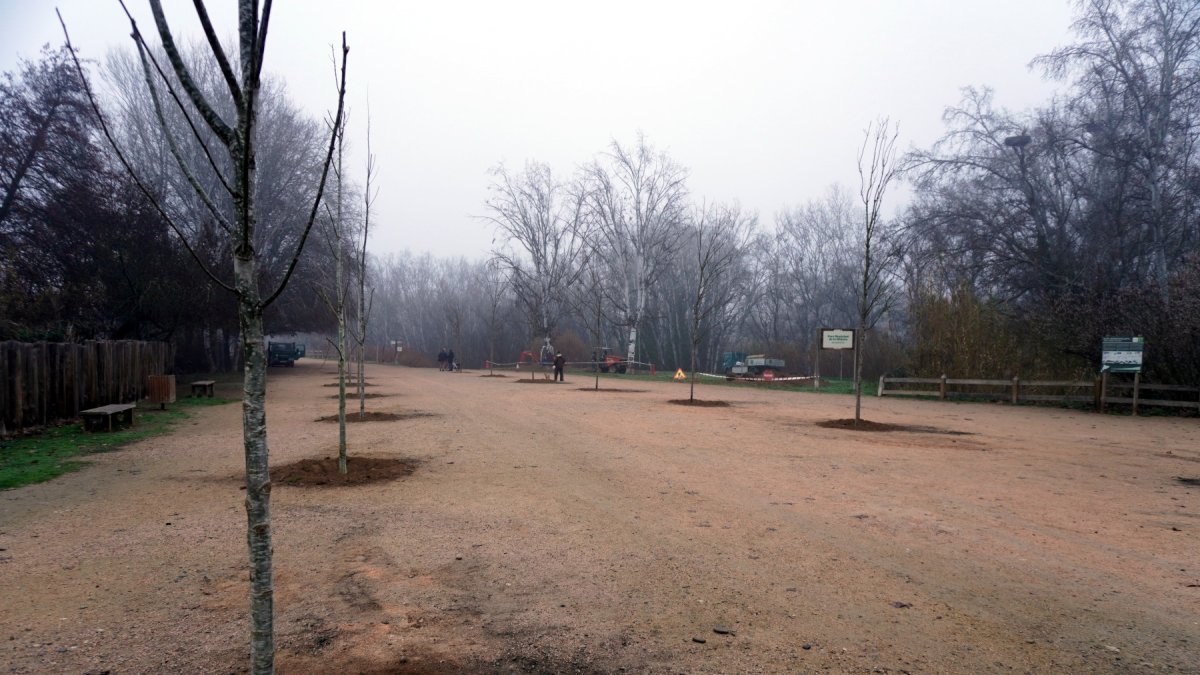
(763, 102)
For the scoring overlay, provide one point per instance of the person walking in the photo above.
(559, 363)
(442, 359)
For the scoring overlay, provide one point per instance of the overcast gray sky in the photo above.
(764, 102)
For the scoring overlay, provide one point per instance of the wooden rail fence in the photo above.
(43, 382)
(1099, 392)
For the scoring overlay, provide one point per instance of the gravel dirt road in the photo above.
(551, 529)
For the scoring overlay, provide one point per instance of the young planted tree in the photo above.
(720, 234)
(876, 170)
(336, 291)
(365, 300)
(233, 121)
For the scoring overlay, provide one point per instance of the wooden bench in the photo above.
(102, 417)
(204, 387)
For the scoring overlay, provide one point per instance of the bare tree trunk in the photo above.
(258, 480)
(341, 350)
(239, 142)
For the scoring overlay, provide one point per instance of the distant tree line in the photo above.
(1029, 235)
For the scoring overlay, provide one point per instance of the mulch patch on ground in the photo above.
(359, 471)
(868, 425)
(526, 380)
(493, 375)
(369, 395)
(614, 389)
(697, 403)
(351, 385)
(378, 416)
(1188, 480)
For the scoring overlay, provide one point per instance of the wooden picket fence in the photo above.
(1099, 392)
(44, 382)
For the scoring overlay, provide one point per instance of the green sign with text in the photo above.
(1121, 354)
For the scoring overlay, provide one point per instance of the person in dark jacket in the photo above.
(442, 359)
(450, 361)
(559, 363)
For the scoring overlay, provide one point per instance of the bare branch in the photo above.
(218, 52)
(218, 125)
(337, 123)
(129, 167)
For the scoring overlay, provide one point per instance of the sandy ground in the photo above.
(550, 529)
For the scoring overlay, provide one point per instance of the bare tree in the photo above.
(336, 291)
(365, 300)
(237, 139)
(545, 220)
(636, 197)
(1139, 67)
(721, 234)
(876, 170)
(491, 279)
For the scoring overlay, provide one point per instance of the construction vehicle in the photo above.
(741, 364)
(608, 362)
(284, 353)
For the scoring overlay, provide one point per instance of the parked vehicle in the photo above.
(741, 364)
(609, 362)
(284, 353)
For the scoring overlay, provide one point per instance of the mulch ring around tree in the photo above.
(493, 375)
(697, 403)
(351, 385)
(370, 395)
(617, 390)
(378, 416)
(359, 471)
(526, 380)
(868, 425)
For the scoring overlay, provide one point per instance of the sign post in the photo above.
(1121, 355)
(839, 339)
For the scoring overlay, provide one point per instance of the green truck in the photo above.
(741, 364)
(283, 353)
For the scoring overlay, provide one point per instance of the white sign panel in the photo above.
(837, 338)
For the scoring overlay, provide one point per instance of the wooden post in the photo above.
(817, 365)
(1137, 380)
(1016, 390)
(1103, 389)
(879, 392)
(942, 388)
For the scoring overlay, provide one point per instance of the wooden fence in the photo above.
(1099, 392)
(43, 382)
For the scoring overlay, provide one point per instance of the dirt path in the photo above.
(549, 529)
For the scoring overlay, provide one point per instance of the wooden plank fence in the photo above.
(1099, 392)
(43, 382)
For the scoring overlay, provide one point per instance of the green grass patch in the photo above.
(26, 460)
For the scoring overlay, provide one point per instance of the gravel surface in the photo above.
(551, 530)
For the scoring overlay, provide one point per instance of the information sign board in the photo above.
(837, 338)
(1121, 354)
